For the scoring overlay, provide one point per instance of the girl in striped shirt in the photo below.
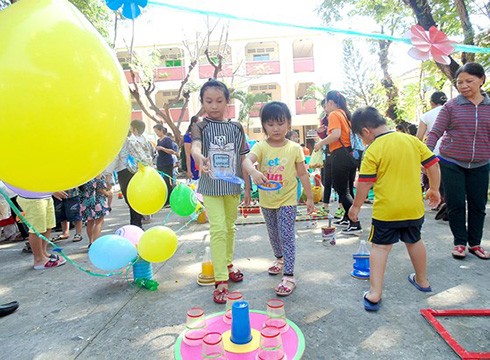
(218, 148)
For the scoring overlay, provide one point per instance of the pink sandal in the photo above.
(286, 286)
(220, 294)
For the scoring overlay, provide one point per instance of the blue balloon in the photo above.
(130, 8)
(112, 252)
(114, 4)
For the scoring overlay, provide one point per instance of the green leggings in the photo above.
(222, 213)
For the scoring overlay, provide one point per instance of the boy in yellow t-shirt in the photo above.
(392, 165)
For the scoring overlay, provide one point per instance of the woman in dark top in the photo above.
(192, 170)
(165, 162)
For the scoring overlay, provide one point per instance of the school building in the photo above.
(283, 67)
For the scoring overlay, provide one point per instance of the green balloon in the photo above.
(183, 201)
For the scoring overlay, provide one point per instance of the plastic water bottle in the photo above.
(363, 249)
(207, 264)
(361, 266)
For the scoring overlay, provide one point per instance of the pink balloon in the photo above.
(131, 232)
(28, 194)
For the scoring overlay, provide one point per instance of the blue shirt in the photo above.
(163, 158)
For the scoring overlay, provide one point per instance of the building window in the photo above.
(173, 63)
(261, 57)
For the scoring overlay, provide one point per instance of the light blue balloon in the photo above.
(112, 252)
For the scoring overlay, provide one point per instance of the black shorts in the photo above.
(68, 209)
(390, 232)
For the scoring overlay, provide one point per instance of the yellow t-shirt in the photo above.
(279, 164)
(392, 163)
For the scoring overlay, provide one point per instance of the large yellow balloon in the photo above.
(147, 192)
(157, 244)
(65, 105)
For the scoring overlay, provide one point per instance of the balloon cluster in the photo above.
(116, 251)
(147, 194)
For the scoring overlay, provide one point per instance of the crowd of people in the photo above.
(456, 133)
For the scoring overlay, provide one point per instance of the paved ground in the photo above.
(67, 314)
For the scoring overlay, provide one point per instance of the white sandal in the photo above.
(276, 267)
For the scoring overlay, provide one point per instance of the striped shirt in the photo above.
(223, 142)
(466, 140)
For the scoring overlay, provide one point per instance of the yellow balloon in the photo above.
(65, 104)
(147, 191)
(157, 244)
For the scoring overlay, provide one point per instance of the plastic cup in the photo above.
(241, 332)
(212, 347)
(279, 323)
(328, 235)
(270, 344)
(275, 309)
(233, 297)
(195, 327)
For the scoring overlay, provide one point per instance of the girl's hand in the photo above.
(203, 163)
(317, 146)
(189, 174)
(310, 206)
(259, 178)
(246, 198)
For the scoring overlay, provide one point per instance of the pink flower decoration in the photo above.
(433, 43)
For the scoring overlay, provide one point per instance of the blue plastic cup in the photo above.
(241, 332)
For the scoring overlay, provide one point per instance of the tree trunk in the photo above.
(423, 13)
(387, 81)
(468, 32)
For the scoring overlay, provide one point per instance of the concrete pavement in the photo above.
(67, 314)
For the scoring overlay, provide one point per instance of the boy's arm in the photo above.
(362, 192)
(432, 194)
(304, 177)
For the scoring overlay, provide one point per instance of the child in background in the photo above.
(293, 136)
(398, 210)
(94, 206)
(280, 160)
(39, 213)
(219, 146)
(109, 181)
(68, 210)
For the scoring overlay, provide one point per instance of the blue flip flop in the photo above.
(411, 278)
(369, 305)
